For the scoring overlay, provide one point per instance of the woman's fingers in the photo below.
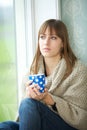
(32, 90)
(36, 90)
(28, 83)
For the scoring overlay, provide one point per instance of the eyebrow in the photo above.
(49, 34)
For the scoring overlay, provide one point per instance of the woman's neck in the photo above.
(50, 64)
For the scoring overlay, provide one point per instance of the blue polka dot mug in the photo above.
(38, 79)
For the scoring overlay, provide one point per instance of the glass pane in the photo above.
(8, 73)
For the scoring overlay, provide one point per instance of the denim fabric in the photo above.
(9, 125)
(34, 115)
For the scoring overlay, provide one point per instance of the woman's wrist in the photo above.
(54, 106)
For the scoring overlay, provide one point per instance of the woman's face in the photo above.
(50, 44)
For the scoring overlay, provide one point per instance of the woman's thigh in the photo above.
(52, 121)
(9, 125)
(45, 116)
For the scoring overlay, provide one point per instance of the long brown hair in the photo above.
(61, 31)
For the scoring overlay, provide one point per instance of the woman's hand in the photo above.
(32, 91)
(48, 99)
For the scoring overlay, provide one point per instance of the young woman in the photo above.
(63, 104)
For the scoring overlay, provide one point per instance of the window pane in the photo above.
(35, 15)
(8, 73)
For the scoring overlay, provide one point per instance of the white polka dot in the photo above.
(41, 82)
(40, 76)
(36, 80)
(32, 77)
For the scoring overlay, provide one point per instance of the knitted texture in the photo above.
(69, 94)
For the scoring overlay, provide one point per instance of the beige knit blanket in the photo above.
(69, 94)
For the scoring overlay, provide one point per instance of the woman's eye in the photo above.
(42, 37)
(53, 38)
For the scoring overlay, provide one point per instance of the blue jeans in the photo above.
(34, 115)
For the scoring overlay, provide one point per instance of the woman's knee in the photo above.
(28, 111)
(27, 104)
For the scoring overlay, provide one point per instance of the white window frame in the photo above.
(20, 42)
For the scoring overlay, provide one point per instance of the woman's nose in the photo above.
(46, 41)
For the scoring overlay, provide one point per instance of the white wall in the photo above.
(74, 15)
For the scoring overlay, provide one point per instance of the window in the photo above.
(19, 24)
(8, 69)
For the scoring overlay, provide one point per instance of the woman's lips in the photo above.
(46, 49)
